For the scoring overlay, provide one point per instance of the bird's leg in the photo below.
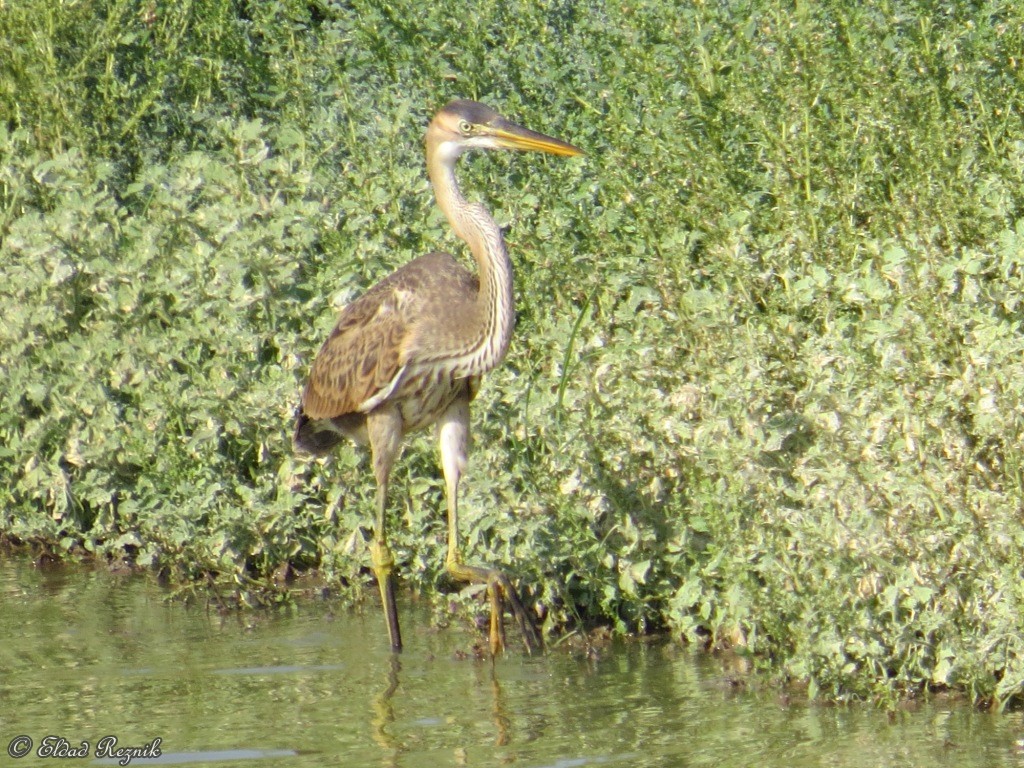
(383, 562)
(453, 436)
(384, 428)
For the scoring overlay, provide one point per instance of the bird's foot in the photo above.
(384, 569)
(500, 591)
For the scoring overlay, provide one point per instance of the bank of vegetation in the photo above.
(766, 389)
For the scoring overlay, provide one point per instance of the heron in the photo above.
(410, 352)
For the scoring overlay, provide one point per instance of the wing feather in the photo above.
(366, 355)
(361, 357)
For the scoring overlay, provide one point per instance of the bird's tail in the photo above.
(311, 437)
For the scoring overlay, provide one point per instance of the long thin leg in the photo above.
(384, 428)
(453, 437)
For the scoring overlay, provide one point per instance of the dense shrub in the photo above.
(765, 389)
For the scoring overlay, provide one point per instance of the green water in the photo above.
(87, 655)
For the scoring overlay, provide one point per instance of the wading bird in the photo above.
(410, 352)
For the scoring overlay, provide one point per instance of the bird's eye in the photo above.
(465, 128)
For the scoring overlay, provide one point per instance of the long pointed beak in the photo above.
(508, 135)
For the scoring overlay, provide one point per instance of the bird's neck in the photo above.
(492, 319)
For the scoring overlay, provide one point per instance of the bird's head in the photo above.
(462, 125)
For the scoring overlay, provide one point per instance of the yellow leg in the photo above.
(384, 569)
(385, 432)
(453, 436)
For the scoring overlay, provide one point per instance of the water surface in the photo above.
(86, 655)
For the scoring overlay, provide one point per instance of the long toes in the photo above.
(529, 631)
(497, 625)
(499, 588)
(530, 634)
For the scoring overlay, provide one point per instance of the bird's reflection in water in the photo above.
(384, 707)
(502, 722)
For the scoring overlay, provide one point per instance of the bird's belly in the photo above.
(425, 394)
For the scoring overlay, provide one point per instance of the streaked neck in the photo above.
(493, 312)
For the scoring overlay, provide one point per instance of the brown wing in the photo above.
(367, 349)
(362, 360)
(361, 357)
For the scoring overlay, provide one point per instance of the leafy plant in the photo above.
(765, 386)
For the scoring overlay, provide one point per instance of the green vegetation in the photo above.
(767, 384)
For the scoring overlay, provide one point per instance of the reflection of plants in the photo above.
(765, 386)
